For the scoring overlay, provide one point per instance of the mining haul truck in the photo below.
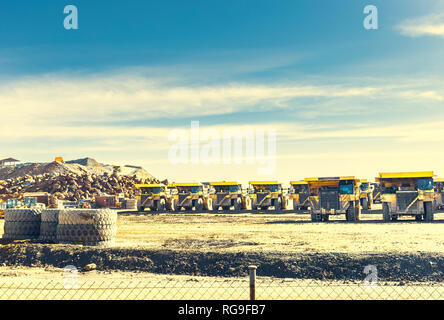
(407, 194)
(366, 194)
(439, 194)
(334, 196)
(155, 197)
(191, 196)
(266, 194)
(300, 193)
(227, 195)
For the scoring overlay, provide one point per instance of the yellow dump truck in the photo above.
(191, 196)
(407, 194)
(439, 194)
(366, 194)
(300, 194)
(266, 194)
(227, 195)
(155, 197)
(376, 192)
(334, 196)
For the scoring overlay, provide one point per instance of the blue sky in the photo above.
(343, 99)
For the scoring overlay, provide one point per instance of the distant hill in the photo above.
(78, 166)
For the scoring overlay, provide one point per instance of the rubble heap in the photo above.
(72, 186)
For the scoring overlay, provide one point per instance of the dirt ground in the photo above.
(206, 256)
(278, 233)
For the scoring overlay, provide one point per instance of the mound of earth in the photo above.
(420, 267)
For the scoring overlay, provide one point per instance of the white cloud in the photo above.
(430, 25)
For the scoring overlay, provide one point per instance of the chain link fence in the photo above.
(206, 288)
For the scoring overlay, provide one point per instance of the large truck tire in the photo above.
(50, 215)
(87, 227)
(428, 211)
(365, 204)
(88, 216)
(19, 230)
(28, 215)
(48, 225)
(238, 204)
(161, 205)
(316, 217)
(22, 224)
(385, 212)
(85, 233)
(351, 213)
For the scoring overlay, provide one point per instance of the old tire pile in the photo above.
(48, 225)
(22, 224)
(93, 227)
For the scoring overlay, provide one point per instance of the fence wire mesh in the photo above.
(217, 289)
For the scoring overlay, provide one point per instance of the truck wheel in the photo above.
(199, 205)
(178, 208)
(238, 204)
(173, 205)
(365, 204)
(385, 212)
(141, 209)
(209, 204)
(351, 212)
(278, 204)
(161, 205)
(295, 205)
(428, 211)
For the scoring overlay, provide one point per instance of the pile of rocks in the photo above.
(71, 186)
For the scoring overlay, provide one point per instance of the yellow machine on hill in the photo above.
(228, 194)
(191, 196)
(334, 196)
(300, 193)
(266, 194)
(439, 193)
(36, 199)
(407, 193)
(155, 197)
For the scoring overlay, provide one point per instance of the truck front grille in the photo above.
(404, 199)
(329, 199)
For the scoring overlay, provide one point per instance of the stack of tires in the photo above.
(22, 224)
(87, 227)
(48, 225)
